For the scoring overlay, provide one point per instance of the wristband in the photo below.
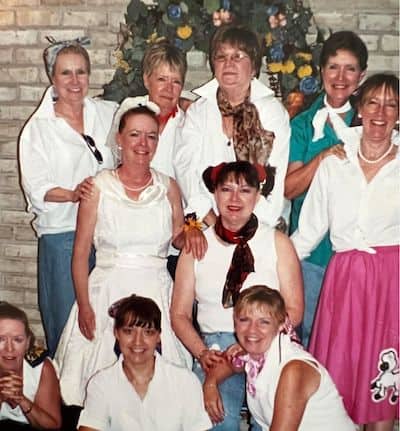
(26, 412)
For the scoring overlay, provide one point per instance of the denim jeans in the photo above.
(56, 290)
(313, 276)
(232, 389)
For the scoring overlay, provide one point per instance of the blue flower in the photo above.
(225, 4)
(178, 43)
(272, 10)
(309, 85)
(276, 52)
(174, 11)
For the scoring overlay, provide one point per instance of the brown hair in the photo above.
(9, 311)
(136, 310)
(240, 37)
(260, 296)
(373, 83)
(135, 111)
(73, 49)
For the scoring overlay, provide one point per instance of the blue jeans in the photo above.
(56, 289)
(232, 389)
(313, 276)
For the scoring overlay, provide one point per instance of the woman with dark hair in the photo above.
(343, 62)
(29, 394)
(236, 118)
(62, 144)
(132, 217)
(356, 331)
(142, 391)
(241, 252)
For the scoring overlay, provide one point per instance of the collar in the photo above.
(257, 90)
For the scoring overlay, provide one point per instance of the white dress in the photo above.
(131, 240)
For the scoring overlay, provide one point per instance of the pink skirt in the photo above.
(356, 331)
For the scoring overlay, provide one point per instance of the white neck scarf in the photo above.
(321, 116)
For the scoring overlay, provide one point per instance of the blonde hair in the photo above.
(260, 296)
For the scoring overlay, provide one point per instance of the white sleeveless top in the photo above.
(324, 410)
(31, 378)
(210, 274)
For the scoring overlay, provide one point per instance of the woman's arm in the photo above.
(86, 222)
(297, 383)
(81, 428)
(192, 240)
(299, 174)
(290, 278)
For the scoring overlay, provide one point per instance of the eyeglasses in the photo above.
(92, 147)
(237, 57)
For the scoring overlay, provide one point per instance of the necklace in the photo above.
(362, 157)
(134, 189)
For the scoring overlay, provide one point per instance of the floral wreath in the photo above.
(282, 25)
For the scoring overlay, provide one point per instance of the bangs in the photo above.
(136, 319)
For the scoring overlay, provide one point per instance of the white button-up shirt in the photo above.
(358, 214)
(53, 154)
(202, 143)
(173, 402)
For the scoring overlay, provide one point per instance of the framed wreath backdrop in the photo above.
(283, 26)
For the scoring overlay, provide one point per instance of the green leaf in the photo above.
(211, 5)
(133, 10)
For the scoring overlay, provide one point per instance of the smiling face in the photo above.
(256, 326)
(71, 78)
(137, 344)
(138, 139)
(341, 76)
(164, 86)
(233, 68)
(379, 111)
(235, 201)
(14, 343)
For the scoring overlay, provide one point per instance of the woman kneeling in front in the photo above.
(142, 391)
(287, 389)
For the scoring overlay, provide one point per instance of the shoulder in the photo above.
(103, 177)
(179, 374)
(306, 116)
(164, 179)
(103, 107)
(299, 376)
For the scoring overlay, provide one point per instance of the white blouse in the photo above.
(202, 143)
(52, 154)
(358, 214)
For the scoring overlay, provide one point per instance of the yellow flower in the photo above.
(275, 67)
(184, 31)
(306, 56)
(305, 70)
(153, 38)
(268, 39)
(288, 67)
(121, 63)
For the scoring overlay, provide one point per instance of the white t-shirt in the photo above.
(173, 402)
(324, 410)
(210, 273)
(202, 143)
(358, 214)
(53, 154)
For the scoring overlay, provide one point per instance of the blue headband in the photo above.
(52, 51)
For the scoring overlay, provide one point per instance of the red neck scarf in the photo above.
(242, 260)
(163, 119)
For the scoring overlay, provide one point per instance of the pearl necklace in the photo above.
(362, 157)
(134, 189)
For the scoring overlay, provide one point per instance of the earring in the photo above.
(359, 115)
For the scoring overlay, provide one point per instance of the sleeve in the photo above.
(95, 413)
(195, 417)
(188, 163)
(35, 168)
(314, 214)
(269, 209)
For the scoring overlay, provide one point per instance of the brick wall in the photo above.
(23, 27)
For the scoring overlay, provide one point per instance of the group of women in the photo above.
(228, 155)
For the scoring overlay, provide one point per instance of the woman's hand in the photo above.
(84, 190)
(233, 350)
(87, 321)
(336, 150)
(195, 242)
(213, 402)
(209, 358)
(11, 387)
